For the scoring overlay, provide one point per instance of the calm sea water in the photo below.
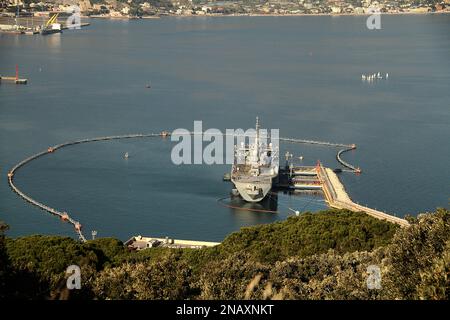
(299, 74)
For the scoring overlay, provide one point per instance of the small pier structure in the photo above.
(139, 243)
(15, 79)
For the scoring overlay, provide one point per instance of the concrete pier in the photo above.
(337, 197)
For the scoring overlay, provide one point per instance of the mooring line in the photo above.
(220, 201)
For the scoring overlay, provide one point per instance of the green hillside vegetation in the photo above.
(310, 234)
(314, 256)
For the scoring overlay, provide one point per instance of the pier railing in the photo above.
(329, 191)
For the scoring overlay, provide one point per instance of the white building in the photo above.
(206, 9)
(335, 9)
(125, 10)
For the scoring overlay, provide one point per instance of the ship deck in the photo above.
(242, 172)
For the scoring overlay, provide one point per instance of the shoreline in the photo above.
(208, 15)
(6, 23)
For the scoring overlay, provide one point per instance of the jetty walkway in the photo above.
(337, 197)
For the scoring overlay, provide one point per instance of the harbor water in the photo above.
(301, 75)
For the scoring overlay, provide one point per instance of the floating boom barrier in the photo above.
(64, 216)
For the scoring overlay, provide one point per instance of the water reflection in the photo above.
(278, 205)
(54, 41)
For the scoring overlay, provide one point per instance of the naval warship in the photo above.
(255, 166)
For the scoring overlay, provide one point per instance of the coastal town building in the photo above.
(138, 8)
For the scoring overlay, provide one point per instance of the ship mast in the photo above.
(256, 146)
(257, 128)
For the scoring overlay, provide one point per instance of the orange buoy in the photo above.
(318, 166)
(65, 216)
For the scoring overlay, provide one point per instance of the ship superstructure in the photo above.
(255, 166)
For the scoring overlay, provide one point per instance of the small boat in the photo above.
(47, 31)
(126, 155)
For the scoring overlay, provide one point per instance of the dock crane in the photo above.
(52, 25)
(52, 19)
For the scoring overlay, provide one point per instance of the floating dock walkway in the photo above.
(347, 147)
(322, 143)
(297, 178)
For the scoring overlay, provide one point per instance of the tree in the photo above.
(413, 253)
(435, 282)
(315, 256)
(168, 278)
(4, 261)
